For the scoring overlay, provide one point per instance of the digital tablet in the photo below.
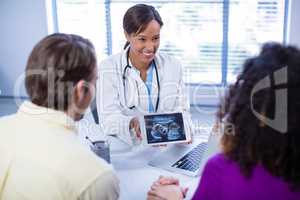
(164, 128)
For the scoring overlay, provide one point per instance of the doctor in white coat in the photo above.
(139, 79)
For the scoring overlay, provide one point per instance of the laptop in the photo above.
(188, 159)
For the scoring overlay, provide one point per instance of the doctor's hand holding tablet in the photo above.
(140, 81)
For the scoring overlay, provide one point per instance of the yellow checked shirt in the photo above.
(41, 158)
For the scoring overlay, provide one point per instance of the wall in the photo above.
(23, 23)
(294, 22)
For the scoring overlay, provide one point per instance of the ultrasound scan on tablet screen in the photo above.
(164, 128)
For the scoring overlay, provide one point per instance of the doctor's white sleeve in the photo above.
(109, 107)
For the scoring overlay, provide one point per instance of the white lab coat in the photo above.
(113, 101)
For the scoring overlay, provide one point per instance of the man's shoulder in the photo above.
(92, 171)
(7, 118)
(7, 122)
(81, 158)
(105, 186)
(77, 166)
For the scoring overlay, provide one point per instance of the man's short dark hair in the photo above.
(56, 64)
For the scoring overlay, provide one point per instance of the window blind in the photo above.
(252, 23)
(211, 38)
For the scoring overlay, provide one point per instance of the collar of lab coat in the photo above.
(124, 59)
(133, 74)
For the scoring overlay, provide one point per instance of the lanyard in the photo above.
(148, 84)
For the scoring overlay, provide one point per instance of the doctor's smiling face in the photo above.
(144, 45)
(142, 24)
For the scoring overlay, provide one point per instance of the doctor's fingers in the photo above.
(138, 132)
(135, 125)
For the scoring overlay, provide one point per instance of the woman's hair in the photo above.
(56, 64)
(253, 141)
(138, 17)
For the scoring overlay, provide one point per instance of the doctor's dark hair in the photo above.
(251, 142)
(56, 64)
(138, 17)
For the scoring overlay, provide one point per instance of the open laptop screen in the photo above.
(164, 128)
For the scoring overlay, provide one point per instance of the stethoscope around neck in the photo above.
(124, 80)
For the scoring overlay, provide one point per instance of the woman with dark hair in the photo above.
(261, 155)
(139, 79)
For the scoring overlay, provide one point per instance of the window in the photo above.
(211, 37)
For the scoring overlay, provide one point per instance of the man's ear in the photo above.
(80, 99)
(81, 89)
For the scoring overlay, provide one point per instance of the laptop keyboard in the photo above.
(191, 160)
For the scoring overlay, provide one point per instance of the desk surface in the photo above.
(136, 176)
(131, 165)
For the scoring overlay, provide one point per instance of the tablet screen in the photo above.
(164, 128)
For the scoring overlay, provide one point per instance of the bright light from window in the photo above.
(193, 31)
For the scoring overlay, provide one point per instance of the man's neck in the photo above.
(74, 115)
